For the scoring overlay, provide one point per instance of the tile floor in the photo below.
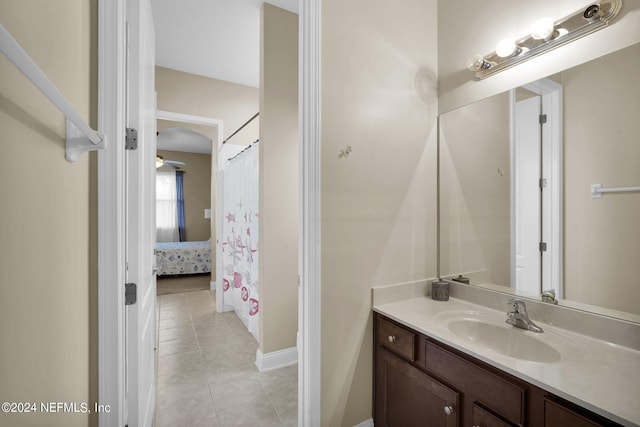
(206, 370)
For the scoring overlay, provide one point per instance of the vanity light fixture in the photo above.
(545, 35)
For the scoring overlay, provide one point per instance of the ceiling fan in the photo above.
(160, 161)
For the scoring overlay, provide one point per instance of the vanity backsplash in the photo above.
(610, 329)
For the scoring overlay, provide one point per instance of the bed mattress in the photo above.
(183, 258)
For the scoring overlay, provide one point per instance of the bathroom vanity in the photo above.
(458, 364)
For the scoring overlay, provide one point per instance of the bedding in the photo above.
(183, 257)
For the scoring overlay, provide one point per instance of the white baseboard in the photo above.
(365, 423)
(276, 359)
(212, 285)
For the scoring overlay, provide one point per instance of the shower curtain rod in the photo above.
(240, 128)
(243, 150)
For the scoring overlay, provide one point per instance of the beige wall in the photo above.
(197, 191)
(465, 29)
(379, 69)
(602, 146)
(234, 104)
(278, 179)
(475, 190)
(48, 274)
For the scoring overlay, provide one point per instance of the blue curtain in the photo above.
(180, 202)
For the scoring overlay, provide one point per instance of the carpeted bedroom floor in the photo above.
(183, 283)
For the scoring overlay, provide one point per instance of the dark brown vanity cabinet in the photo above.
(408, 397)
(421, 382)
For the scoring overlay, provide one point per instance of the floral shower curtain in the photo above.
(240, 237)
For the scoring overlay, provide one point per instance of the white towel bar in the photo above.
(80, 137)
(597, 190)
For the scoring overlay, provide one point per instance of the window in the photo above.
(166, 207)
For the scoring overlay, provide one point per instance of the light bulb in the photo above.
(542, 28)
(475, 62)
(505, 48)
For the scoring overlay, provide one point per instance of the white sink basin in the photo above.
(492, 333)
(509, 341)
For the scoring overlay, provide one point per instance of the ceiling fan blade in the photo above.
(174, 162)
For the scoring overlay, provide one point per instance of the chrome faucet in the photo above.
(519, 317)
(549, 296)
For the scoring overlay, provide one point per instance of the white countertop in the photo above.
(600, 376)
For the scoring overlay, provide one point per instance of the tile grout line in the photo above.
(185, 302)
(271, 402)
(260, 381)
(224, 320)
(206, 376)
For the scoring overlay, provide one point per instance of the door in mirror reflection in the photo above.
(536, 156)
(526, 205)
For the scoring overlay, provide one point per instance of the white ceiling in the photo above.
(212, 38)
(183, 139)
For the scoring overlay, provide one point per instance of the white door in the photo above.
(140, 217)
(526, 152)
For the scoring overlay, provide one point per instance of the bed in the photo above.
(183, 258)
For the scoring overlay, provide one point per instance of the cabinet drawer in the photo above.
(556, 415)
(397, 339)
(484, 418)
(502, 396)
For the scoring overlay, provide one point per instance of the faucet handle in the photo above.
(518, 305)
(549, 296)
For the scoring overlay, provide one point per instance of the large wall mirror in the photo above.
(517, 211)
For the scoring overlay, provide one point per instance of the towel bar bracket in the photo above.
(78, 143)
(80, 137)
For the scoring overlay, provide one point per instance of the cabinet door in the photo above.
(407, 397)
(556, 415)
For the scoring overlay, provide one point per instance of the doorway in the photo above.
(184, 177)
(199, 129)
(309, 315)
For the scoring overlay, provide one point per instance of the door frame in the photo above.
(111, 219)
(309, 255)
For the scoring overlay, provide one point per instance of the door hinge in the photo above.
(542, 183)
(543, 119)
(131, 139)
(543, 247)
(130, 293)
